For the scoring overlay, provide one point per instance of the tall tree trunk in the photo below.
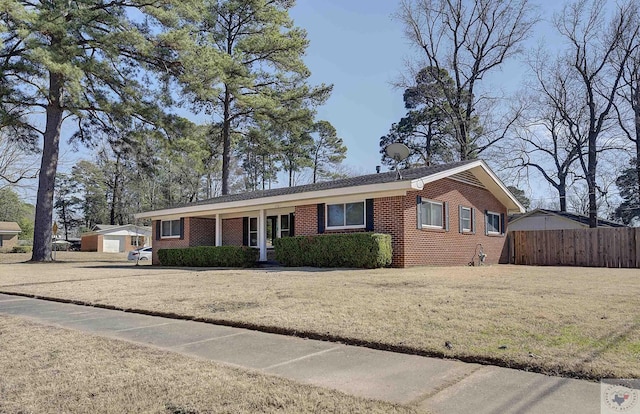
(592, 164)
(42, 231)
(636, 111)
(562, 193)
(115, 199)
(226, 140)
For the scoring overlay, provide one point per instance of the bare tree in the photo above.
(628, 110)
(598, 50)
(550, 136)
(17, 162)
(468, 39)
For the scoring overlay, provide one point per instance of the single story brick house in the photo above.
(436, 215)
(115, 238)
(9, 231)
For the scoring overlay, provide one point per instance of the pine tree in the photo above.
(87, 60)
(251, 69)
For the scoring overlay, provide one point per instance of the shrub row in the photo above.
(21, 249)
(209, 256)
(362, 250)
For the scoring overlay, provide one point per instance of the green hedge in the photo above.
(21, 249)
(368, 250)
(209, 256)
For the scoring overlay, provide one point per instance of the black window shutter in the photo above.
(158, 227)
(292, 224)
(245, 231)
(321, 218)
(369, 218)
(502, 223)
(446, 216)
(182, 228)
(419, 211)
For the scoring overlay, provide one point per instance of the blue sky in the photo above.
(356, 46)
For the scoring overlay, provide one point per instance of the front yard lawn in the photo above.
(582, 322)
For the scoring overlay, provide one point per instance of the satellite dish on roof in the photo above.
(398, 152)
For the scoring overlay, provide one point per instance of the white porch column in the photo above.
(218, 230)
(262, 235)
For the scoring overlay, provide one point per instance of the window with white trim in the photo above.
(432, 214)
(347, 215)
(284, 225)
(493, 223)
(467, 220)
(171, 228)
(138, 241)
(253, 231)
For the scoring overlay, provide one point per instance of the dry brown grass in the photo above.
(52, 370)
(570, 321)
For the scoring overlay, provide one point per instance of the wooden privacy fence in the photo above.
(600, 247)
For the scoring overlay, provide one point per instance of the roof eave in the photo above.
(252, 204)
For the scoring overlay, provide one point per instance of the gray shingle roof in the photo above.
(381, 178)
(579, 218)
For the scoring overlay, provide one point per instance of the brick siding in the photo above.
(203, 232)
(306, 220)
(397, 216)
(428, 247)
(232, 232)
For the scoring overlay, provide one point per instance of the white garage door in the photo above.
(113, 244)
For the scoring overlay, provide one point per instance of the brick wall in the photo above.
(387, 218)
(306, 221)
(429, 247)
(203, 232)
(397, 216)
(232, 232)
(89, 243)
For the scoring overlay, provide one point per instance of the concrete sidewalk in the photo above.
(439, 386)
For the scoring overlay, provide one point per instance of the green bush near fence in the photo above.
(362, 250)
(209, 256)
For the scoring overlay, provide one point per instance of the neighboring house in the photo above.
(542, 219)
(115, 239)
(436, 215)
(9, 231)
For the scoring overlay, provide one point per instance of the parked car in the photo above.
(143, 253)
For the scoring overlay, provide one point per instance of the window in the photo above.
(348, 215)
(138, 241)
(494, 223)
(467, 220)
(432, 214)
(253, 231)
(284, 225)
(171, 228)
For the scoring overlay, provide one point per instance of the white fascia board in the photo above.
(419, 183)
(286, 200)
